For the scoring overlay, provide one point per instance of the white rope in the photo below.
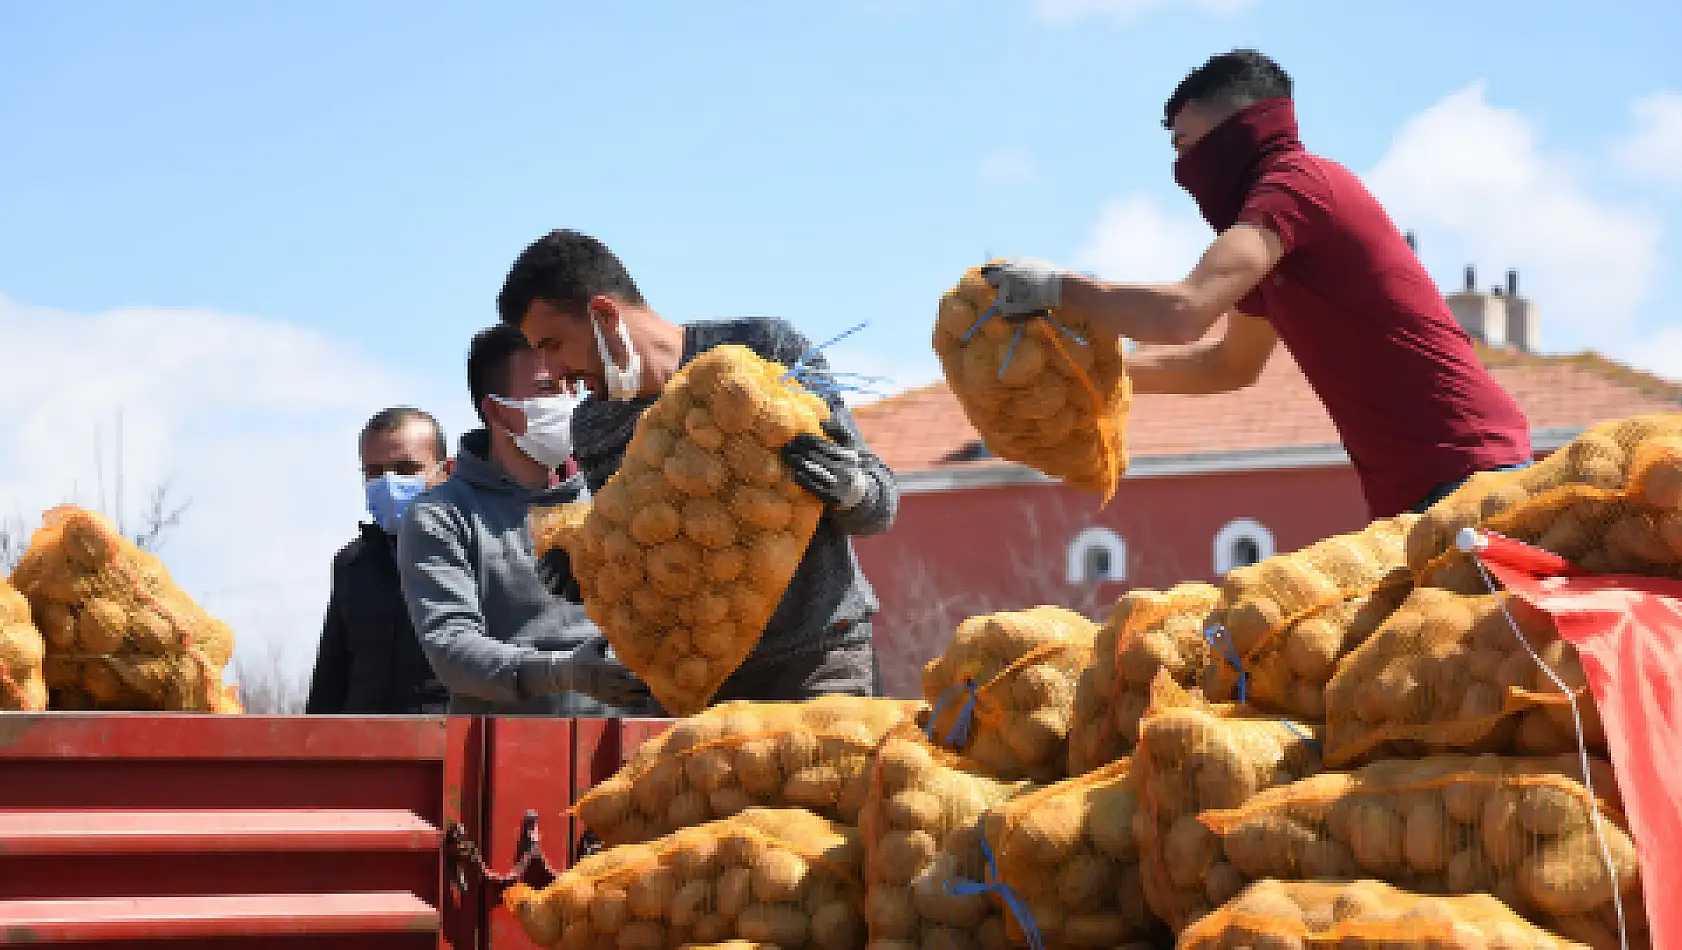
(1582, 746)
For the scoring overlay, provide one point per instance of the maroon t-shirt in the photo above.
(1366, 324)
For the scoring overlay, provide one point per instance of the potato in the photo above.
(837, 926)
(901, 854)
(1425, 843)
(1190, 850)
(642, 935)
(778, 924)
(735, 890)
(688, 809)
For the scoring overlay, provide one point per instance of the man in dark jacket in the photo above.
(582, 312)
(369, 660)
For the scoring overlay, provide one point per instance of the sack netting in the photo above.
(120, 634)
(1632, 530)
(1288, 673)
(1147, 631)
(1046, 393)
(814, 755)
(1193, 756)
(1447, 673)
(1003, 692)
(922, 835)
(685, 553)
(1601, 457)
(1521, 830)
(1363, 915)
(783, 877)
(22, 686)
(1068, 854)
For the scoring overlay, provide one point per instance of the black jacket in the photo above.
(370, 660)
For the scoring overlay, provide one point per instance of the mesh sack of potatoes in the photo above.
(119, 633)
(1363, 915)
(731, 945)
(1522, 830)
(1193, 756)
(1601, 457)
(22, 686)
(814, 755)
(1447, 673)
(1003, 692)
(1632, 530)
(776, 876)
(1069, 852)
(1288, 673)
(922, 837)
(1046, 393)
(1147, 631)
(686, 552)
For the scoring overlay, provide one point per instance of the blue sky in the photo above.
(324, 197)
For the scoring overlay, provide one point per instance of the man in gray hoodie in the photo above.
(487, 617)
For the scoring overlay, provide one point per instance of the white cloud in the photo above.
(1654, 148)
(1136, 240)
(1065, 12)
(1012, 164)
(1476, 179)
(252, 421)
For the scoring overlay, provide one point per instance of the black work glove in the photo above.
(591, 668)
(829, 469)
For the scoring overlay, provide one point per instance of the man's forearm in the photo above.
(1187, 370)
(1148, 313)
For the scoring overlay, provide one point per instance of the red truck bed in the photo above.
(137, 831)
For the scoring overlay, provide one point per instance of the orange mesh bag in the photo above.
(686, 552)
(1191, 757)
(1601, 457)
(922, 839)
(1004, 691)
(774, 876)
(731, 945)
(1262, 600)
(1147, 631)
(1522, 830)
(22, 687)
(1632, 530)
(1363, 915)
(1067, 851)
(119, 633)
(814, 755)
(1046, 393)
(1447, 674)
(1289, 672)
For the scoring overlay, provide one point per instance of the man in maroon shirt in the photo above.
(1303, 254)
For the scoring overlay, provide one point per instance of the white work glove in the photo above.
(592, 669)
(1025, 287)
(829, 468)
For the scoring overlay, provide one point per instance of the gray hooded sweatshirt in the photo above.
(480, 605)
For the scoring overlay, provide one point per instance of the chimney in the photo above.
(1482, 316)
(1471, 279)
(1524, 326)
(1413, 243)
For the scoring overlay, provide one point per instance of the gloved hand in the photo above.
(591, 668)
(1024, 287)
(829, 468)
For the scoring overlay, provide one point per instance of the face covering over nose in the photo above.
(1219, 171)
(388, 497)
(548, 436)
(622, 382)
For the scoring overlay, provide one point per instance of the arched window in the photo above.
(1241, 543)
(1097, 556)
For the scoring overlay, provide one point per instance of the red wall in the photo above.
(956, 553)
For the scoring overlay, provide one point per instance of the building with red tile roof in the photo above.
(1213, 482)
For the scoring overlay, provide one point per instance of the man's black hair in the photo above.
(565, 269)
(1229, 81)
(488, 357)
(395, 418)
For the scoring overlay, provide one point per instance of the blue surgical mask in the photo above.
(389, 496)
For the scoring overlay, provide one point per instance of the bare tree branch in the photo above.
(161, 516)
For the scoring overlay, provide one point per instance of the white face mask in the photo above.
(622, 383)
(548, 436)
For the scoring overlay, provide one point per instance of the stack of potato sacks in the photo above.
(1352, 745)
(685, 553)
(119, 634)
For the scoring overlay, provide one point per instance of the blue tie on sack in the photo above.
(832, 383)
(993, 311)
(958, 887)
(1218, 638)
(958, 736)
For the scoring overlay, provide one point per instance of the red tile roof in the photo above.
(923, 428)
